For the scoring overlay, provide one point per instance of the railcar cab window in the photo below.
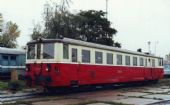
(48, 50)
(85, 56)
(135, 63)
(38, 51)
(119, 59)
(65, 51)
(98, 57)
(109, 58)
(127, 60)
(74, 55)
(31, 52)
(141, 61)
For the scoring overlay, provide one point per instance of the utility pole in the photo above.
(155, 46)
(149, 43)
(106, 9)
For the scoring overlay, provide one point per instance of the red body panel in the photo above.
(62, 74)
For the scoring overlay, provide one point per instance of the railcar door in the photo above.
(85, 71)
(74, 68)
(150, 70)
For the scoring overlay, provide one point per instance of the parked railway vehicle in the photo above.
(11, 59)
(166, 65)
(68, 62)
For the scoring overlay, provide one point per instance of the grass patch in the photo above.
(12, 85)
(3, 85)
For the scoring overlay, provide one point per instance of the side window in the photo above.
(141, 61)
(65, 51)
(74, 55)
(119, 59)
(98, 57)
(127, 60)
(160, 62)
(135, 61)
(85, 56)
(153, 62)
(146, 62)
(109, 58)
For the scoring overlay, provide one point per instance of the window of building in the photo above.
(13, 58)
(109, 58)
(5, 57)
(127, 60)
(85, 56)
(13, 61)
(98, 57)
(135, 63)
(166, 66)
(31, 52)
(38, 51)
(153, 62)
(141, 61)
(5, 60)
(74, 55)
(119, 59)
(48, 50)
(65, 51)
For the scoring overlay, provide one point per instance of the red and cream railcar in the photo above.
(67, 62)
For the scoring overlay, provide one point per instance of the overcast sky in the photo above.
(137, 21)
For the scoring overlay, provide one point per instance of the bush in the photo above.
(15, 85)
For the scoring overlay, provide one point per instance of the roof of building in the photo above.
(93, 45)
(4, 50)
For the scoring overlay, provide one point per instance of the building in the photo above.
(11, 59)
(1, 21)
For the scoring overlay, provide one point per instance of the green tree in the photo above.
(36, 32)
(167, 57)
(94, 27)
(65, 4)
(90, 26)
(9, 36)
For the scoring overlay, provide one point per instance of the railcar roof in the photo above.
(166, 62)
(93, 45)
(4, 50)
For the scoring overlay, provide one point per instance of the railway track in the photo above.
(161, 103)
(18, 96)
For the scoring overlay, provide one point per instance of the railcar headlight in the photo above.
(48, 67)
(27, 68)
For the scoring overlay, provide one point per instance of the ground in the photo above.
(128, 95)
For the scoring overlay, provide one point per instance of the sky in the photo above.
(137, 21)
